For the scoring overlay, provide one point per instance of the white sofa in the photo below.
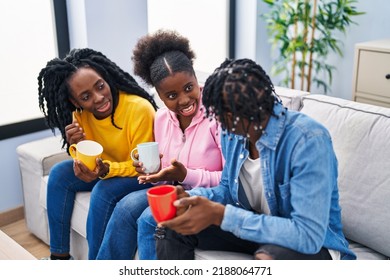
(361, 136)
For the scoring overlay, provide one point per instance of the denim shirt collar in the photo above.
(274, 129)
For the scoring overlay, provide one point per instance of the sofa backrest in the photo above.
(361, 139)
(291, 98)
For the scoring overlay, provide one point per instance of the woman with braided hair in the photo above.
(278, 196)
(189, 143)
(88, 97)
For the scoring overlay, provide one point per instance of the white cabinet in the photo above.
(371, 78)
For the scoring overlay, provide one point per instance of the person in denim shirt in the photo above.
(278, 197)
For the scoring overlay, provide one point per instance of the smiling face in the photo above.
(91, 92)
(180, 92)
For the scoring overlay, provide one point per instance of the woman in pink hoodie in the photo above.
(189, 143)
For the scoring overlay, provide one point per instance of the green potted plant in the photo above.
(304, 33)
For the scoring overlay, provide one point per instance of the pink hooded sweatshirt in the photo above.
(198, 148)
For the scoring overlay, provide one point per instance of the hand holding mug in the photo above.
(85, 174)
(181, 193)
(149, 155)
(86, 151)
(200, 214)
(139, 166)
(160, 199)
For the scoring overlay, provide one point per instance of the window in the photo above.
(205, 23)
(32, 34)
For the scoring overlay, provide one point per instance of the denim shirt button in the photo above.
(238, 204)
(241, 156)
(235, 181)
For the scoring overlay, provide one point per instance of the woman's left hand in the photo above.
(200, 214)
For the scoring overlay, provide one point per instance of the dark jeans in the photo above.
(175, 246)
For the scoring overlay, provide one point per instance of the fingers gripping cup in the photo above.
(149, 155)
(87, 151)
(160, 199)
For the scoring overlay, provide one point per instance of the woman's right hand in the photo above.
(140, 168)
(74, 132)
(138, 164)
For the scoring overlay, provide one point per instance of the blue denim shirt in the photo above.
(299, 170)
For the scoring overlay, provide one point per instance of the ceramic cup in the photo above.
(160, 199)
(87, 151)
(149, 155)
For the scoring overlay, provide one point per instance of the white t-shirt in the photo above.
(252, 182)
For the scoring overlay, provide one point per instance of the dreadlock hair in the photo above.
(159, 55)
(242, 88)
(54, 91)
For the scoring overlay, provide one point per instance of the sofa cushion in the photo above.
(220, 255)
(361, 138)
(365, 253)
(80, 213)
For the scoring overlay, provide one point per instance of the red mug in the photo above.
(160, 199)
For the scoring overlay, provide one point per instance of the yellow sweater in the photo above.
(135, 116)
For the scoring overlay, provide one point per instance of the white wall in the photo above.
(112, 27)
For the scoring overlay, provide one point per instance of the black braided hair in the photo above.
(159, 55)
(242, 88)
(54, 92)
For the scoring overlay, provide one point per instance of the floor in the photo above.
(19, 232)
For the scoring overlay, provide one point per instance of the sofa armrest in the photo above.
(36, 158)
(39, 156)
